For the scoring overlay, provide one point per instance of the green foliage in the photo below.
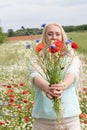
(75, 28)
(34, 31)
(10, 33)
(24, 32)
(2, 36)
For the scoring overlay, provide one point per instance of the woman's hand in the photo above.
(56, 90)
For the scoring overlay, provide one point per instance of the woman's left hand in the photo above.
(58, 89)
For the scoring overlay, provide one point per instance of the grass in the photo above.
(81, 39)
(14, 80)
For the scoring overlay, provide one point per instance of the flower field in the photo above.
(16, 93)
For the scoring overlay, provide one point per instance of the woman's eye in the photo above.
(50, 34)
(57, 34)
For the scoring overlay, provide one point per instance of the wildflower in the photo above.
(2, 123)
(85, 121)
(25, 92)
(74, 45)
(25, 101)
(37, 40)
(22, 27)
(21, 84)
(43, 25)
(26, 119)
(11, 95)
(9, 86)
(68, 41)
(28, 46)
(56, 47)
(39, 47)
(10, 91)
(11, 101)
(83, 115)
(84, 89)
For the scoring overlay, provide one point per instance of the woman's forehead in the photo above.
(53, 28)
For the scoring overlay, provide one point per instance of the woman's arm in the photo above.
(42, 84)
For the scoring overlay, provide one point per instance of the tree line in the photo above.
(35, 31)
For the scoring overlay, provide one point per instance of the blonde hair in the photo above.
(64, 36)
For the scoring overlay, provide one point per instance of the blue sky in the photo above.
(32, 13)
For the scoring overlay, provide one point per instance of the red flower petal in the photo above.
(58, 47)
(40, 46)
(74, 45)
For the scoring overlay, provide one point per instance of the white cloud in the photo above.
(32, 13)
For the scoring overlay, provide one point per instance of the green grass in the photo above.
(81, 39)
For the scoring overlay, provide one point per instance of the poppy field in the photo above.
(16, 93)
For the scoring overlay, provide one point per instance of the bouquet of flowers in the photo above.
(52, 60)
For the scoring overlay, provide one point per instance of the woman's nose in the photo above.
(54, 37)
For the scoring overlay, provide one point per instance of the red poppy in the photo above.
(74, 45)
(25, 92)
(85, 121)
(11, 101)
(40, 46)
(26, 119)
(22, 84)
(10, 91)
(25, 101)
(2, 123)
(11, 96)
(9, 86)
(56, 47)
(84, 89)
(83, 115)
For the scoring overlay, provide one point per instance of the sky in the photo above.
(34, 13)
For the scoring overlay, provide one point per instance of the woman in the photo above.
(43, 113)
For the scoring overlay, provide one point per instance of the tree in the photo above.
(2, 36)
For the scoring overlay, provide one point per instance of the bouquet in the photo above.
(52, 60)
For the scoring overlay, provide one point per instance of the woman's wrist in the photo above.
(64, 84)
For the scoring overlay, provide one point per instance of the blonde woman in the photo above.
(43, 113)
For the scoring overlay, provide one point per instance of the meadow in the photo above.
(16, 93)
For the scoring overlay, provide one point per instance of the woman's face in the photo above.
(53, 33)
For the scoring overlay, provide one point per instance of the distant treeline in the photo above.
(33, 31)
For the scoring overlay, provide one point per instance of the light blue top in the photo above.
(70, 105)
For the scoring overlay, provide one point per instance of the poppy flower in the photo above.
(10, 91)
(26, 119)
(9, 86)
(56, 47)
(83, 115)
(74, 45)
(2, 123)
(11, 100)
(25, 101)
(84, 89)
(39, 47)
(11, 96)
(21, 84)
(25, 92)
